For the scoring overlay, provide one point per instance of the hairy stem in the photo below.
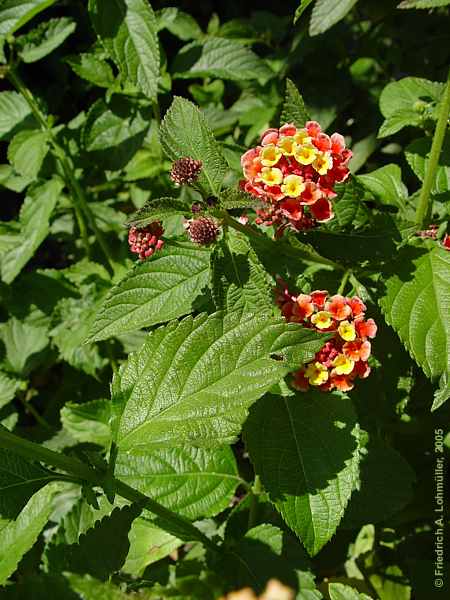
(424, 206)
(80, 203)
(85, 474)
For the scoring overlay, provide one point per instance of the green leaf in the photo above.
(386, 185)
(349, 209)
(157, 210)
(114, 132)
(8, 388)
(34, 225)
(233, 198)
(386, 486)
(159, 289)
(101, 551)
(239, 281)
(305, 449)
(194, 482)
(23, 342)
(327, 13)
(88, 422)
(417, 155)
(27, 151)
(294, 109)
(127, 29)
(179, 23)
(406, 102)
(148, 544)
(301, 9)
(19, 480)
(18, 536)
(222, 58)
(391, 584)
(45, 38)
(193, 381)
(91, 589)
(423, 3)
(14, 114)
(417, 303)
(339, 591)
(92, 68)
(15, 13)
(185, 132)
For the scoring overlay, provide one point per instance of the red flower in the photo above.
(366, 329)
(319, 297)
(338, 307)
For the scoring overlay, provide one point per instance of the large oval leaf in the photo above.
(193, 381)
(162, 288)
(305, 448)
(417, 305)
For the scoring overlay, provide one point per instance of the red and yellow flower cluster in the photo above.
(344, 357)
(293, 172)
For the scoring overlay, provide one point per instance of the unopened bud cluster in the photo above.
(185, 170)
(344, 357)
(145, 241)
(202, 231)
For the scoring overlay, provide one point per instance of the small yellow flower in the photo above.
(287, 145)
(347, 331)
(302, 137)
(270, 155)
(342, 365)
(271, 176)
(293, 186)
(322, 319)
(323, 163)
(305, 155)
(316, 373)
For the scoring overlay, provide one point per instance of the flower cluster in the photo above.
(344, 357)
(146, 240)
(293, 172)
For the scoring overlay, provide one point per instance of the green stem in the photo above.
(81, 206)
(424, 206)
(74, 467)
(25, 400)
(344, 281)
(254, 499)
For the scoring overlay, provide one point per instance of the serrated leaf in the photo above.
(18, 536)
(114, 132)
(306, 450)
(294, 109)
(8, 388)
(386, 185)
(417, 303)
(27, 151)
(402, 103)
(161, 288)
(194, 482)
(193, 381)
(14, 113)
(92, 68)
(110, 535)
(239, 281)
(339, 591)
(386, 486)
(349, 209)
(423, 3)
(232, 198)
(23, 342)
(185, 132)
(88, 422)
(127, 29)
(417, 154)
(34, 224)
(44, 38)
(15, 13)
(222, 58)
(157, 210)
(19, 480)
(327, 13)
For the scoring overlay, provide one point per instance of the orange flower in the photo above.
(303, 306)
(338, 307)
(366, 329)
